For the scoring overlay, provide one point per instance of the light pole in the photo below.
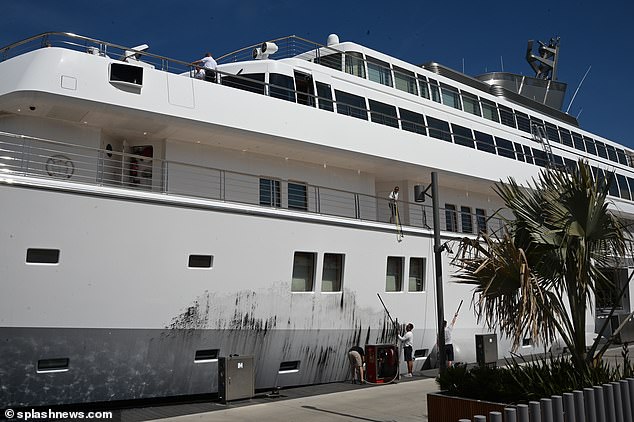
(438, 248)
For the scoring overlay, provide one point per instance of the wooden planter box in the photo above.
(444, 408)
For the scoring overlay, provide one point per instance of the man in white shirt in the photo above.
(393, 198)
(408, 341)
(208, 71)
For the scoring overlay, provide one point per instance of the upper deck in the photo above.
(368, 107)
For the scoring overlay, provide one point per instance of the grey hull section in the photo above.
(123, 364)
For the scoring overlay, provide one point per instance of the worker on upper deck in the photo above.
(208, 71)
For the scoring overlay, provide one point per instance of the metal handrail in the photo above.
(43, 158)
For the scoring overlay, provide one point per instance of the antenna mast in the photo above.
(577, 90)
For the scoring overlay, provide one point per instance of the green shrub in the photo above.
(522, 380)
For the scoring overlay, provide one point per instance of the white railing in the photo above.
(54, 160)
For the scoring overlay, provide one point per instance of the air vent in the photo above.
(52, 365)
(42, 256)
(201, 261)
(206, 355)
(289, 367)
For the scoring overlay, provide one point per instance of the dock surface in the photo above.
(403, 401)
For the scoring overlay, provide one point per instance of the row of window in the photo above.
(51, 257)
(304, 270)
(354, 105)
(466, 219)
(378, 112)
(407, 81)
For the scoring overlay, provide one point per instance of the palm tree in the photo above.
(537, 278)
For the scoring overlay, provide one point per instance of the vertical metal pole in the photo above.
(569, 407)
(510, 414)
(591, 410)
(522, 413)
(442, 358)
(580, 410)
(535, 411)
(618, 404)
(558, 408)
(495, 416)
(547, 409)
(630, 382)
(609, 402)
(625, 396)
(599, 403)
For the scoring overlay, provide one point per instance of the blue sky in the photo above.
(483, 34)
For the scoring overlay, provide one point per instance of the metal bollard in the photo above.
(618, 402)
(464, 420)
(522, 413)
(599, 403)
(558, 409)
(610, 411)
(591, 410)
(627, 404)
(569, 408)
(479, 418)
(580, 410)
(535, 411)
(495, 416)
(547, 409)
(630, 382)
(510, 414)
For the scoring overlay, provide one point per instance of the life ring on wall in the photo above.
(60, 167)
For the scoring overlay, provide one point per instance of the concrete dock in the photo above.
(403, 401)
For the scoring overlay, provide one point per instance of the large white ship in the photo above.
(153, 222)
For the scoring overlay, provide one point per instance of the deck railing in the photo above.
(54, 160)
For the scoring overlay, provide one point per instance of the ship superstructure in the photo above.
(154, 222)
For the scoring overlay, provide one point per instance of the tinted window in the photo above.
(281, 86)
(354, 64)
(578, 141)
(435, 91)
(571, 165)
(297, 198)
(523, 122)
(383, 113)
(332, 61)
(424, 88)
(462, 136)
(470, 104)
(622, 157)
(528, 154)
(484, 141)
(405, 80)
(379, 71)
(351, 105)
(505, 148)
(438, 129)
(613, 188)
(303, 272)
(612, 153)
(325, 96)
(450, 96)
(519, 151)
(451, 222)
(590, 146)
(601, 149)
(506, 116)
(541, 159)
(552, 133)
(625, 192)
(489, 110)
(466, 219)
(251, 83)
(412, 122)
(566, 139)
